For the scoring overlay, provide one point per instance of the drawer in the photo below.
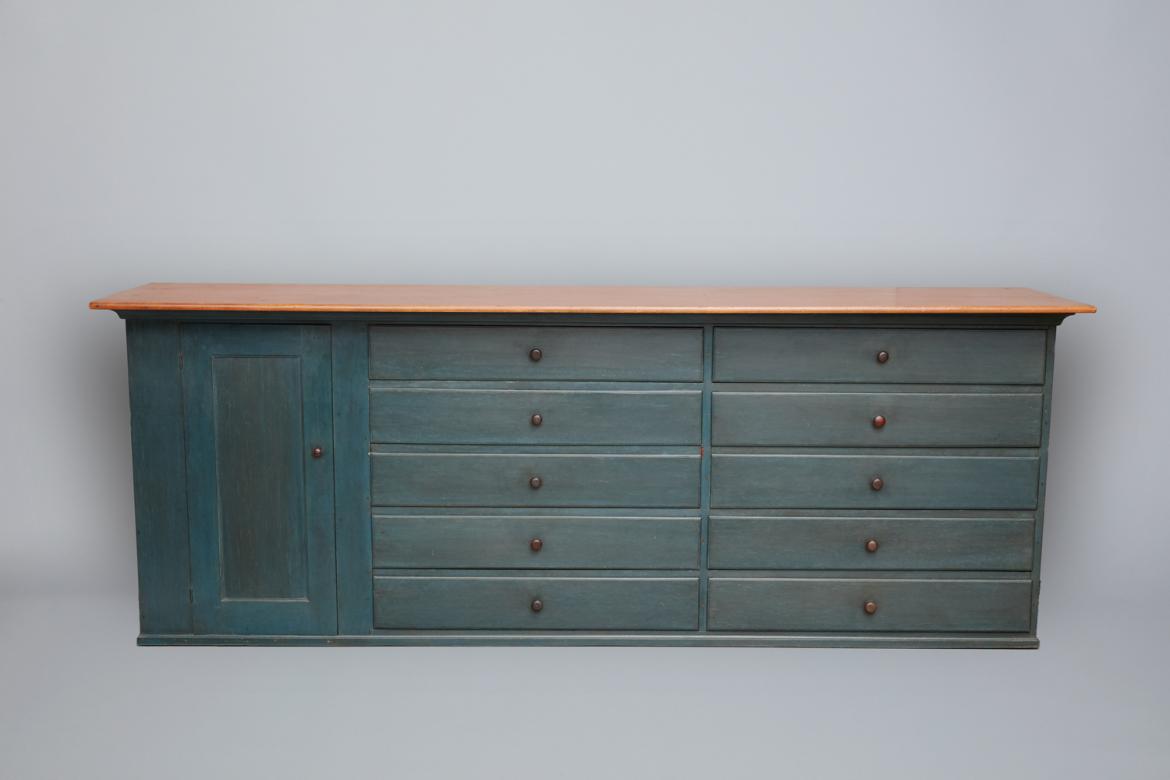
(853, 419)
(952, 543)
(765, 604)
(751, 481)
(445, 415)
(535, 542)
(506, 479)
(598, 603)
(851, 355)
(580, 353)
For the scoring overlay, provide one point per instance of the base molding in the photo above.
(573, 638)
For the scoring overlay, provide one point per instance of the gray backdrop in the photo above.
(834, 143)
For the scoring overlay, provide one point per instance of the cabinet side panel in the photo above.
(160, 478)
(1049, 372)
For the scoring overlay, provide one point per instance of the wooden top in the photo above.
(375, 298)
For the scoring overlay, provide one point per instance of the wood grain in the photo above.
(850, 355)
(160, 476)
(597, 603)
(775, 481)
(256, 400)
(454, 352)
(788, 604)
(904, 543)
(587, 299)
(483, 479)
(444, 540)
(800, 419)
(444, 415)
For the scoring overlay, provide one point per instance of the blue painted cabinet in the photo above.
(328, 476)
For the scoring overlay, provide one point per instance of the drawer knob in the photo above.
(535, 483)
(535, 354)
(870, 607)
(879, 421)
(883, 356)
(877, 483)
(536, 545)
(871, 545)
(537, 605)
(316, 452)
(537, 419)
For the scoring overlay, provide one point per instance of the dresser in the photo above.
(334, 464)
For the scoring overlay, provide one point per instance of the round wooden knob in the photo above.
(879, 421)
(535, 483)
(537, 605)
(537, 419)
(883, 356)
(535, 354)
(877, 483)
(317, 452)
(871, 545)
(870, 607)
(536, 545)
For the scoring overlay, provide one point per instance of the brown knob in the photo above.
(537, 605)
(870, 607)
(535, 483)
(883, 356)
(317, 452)
(877, 483)
(871, 545)
(537, 419)
(536, 545)
(535, 354)
(879, 421)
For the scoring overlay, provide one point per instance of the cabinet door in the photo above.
(258, 409)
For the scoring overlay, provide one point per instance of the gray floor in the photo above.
(81, 700)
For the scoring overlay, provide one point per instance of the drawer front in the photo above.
(845, 481)
(877, 419)
(479, 416)
(506, 603)
(580, 353)
(751, 604)
(565, 480)
(988, 544)
(850, 355)
(535, 542)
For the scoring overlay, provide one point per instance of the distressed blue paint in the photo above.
(160, 476)
(907, 543)
(761, 480)
(814, 604)
(470, 541)
(567, 479)
(475, 415)
(989, 640)
(849, 355)
(618, 354)
(269, 512)
(506, 602)
(781, 418)
(978, 386)
(351, 459)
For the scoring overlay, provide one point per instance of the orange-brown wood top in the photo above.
(387, 298)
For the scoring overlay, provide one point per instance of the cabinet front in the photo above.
(258, 414)
(435, 480)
